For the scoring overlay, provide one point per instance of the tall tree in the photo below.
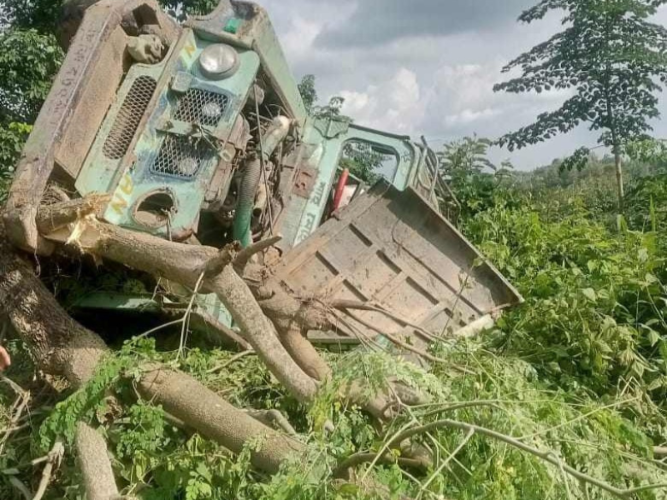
(612, 59)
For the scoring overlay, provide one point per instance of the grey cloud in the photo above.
(379, 21)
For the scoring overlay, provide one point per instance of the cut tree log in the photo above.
(93, 456)
(52, 217)
(213, 417)
(303, 352)
(59, 345)
(186, 264)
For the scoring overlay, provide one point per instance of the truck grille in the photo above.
(127, 121)
(202, 107)
(182, 157)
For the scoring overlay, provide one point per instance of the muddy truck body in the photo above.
(198, 134)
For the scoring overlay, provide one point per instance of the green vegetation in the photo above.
(578, 372)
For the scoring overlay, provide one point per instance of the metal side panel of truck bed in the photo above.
(393, 250)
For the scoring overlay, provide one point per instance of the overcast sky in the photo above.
(425, 66)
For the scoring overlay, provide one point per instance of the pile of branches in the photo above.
(357, 426)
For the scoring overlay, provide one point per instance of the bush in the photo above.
(595, 299)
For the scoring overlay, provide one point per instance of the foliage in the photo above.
(505, 395)
(156, 460)
(364, 161)
(180, 9)
(646, 202)
(360, 158)
(29, 60)
(331, 110)
(464, 164)
(12, 138)
(308, 92)
(41, 15)
(595, 300)
(650, 151)
(607, 55)
(588, 193)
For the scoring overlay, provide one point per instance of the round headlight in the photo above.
(218, 61)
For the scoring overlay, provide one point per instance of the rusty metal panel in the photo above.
(96, 98)
(391, 249)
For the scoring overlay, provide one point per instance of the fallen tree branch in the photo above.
(274, 419)
(23, 489)
(547, 456)
(461, 406)
(202, 320)
(246, 254)
(53, 460)
(361, 306)
(216, 264)
(94, 462)
(59, 345)
(445, 463)
(19, 407)
(230, 361)
(13, 471)
(403, 345)
(303, 352)
(180, 263)
(202, 409)
(342, 470)
(11, 430)
(50, 218)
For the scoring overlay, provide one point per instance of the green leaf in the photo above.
(653, 337)
(204, 471)
(590, 294)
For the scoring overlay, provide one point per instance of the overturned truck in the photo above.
(186, 154)
(198, 134)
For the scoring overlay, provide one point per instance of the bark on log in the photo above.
(261, 334)
(304, 353)
(293, 366)
(213, 417)
(59, 345)
(184, 263)
(95, 465)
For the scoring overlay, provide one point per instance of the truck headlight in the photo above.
(218, 61)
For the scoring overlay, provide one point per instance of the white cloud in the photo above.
(461, 99)
(468, 116)
(298, 40)
(395, 105)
